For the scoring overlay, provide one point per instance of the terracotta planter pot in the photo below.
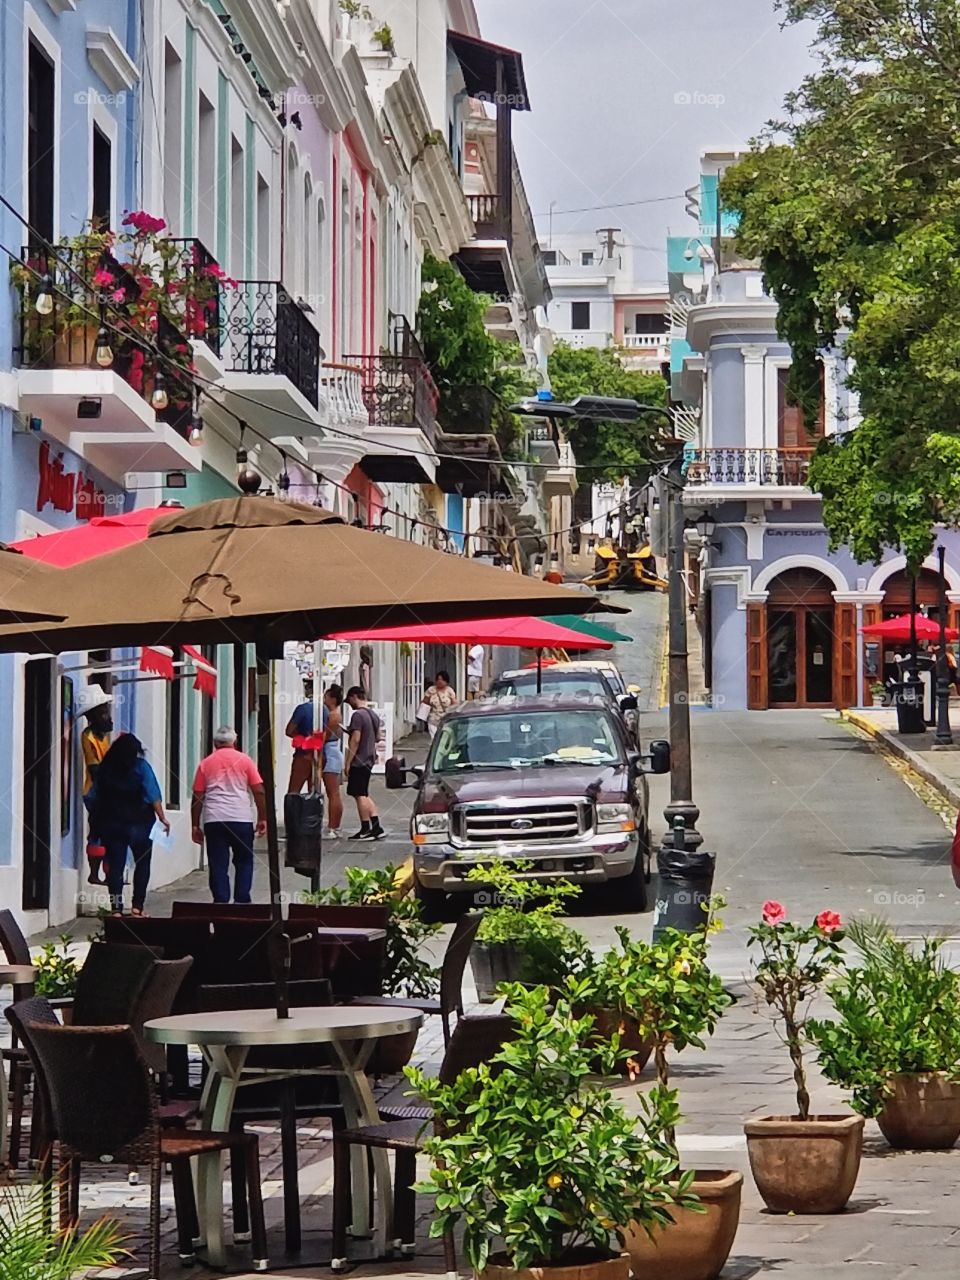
(601, 1269)
(697, 1246)
(805, 1166)
(923, 1112)
(607, 1022)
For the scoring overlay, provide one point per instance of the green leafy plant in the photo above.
(57, 969)
(878, 689)
(896, 1011)
(30, 1250)
(532, 1156)
(407, 971)
(384, 38)
(524, 915)
(796, 961)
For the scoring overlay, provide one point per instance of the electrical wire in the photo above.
(625, 204)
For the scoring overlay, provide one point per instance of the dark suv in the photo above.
(555, 781)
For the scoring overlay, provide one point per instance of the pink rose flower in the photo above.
(774, 913)
(828, 921)
(118, 295)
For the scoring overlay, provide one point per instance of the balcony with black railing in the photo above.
(401, 400)
(266, 331)
(749, 467)
(189, 260)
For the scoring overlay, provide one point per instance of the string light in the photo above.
(44, 299)
(158, 397)
(103, 354)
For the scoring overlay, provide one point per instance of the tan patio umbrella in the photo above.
(261, 571)
(28, 591)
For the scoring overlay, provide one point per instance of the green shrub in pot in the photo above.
(895, 1038)
(534, 1159)
(57, 969)
(522, 937)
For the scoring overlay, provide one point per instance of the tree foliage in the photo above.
(607, 450)
(852, 202)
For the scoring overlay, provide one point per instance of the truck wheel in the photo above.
(433, 903)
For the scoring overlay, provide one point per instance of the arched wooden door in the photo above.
(878, 654)
(801, 645)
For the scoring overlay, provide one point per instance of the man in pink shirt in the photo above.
(225, 791)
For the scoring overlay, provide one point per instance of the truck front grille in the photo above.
(524, 823)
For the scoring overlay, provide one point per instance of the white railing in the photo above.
(565, 453)
(644, 341)
(343, 386)
(720, 466)
(585, 337)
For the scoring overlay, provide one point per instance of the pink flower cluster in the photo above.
(145, 224)
(775, 913)
(214, 269)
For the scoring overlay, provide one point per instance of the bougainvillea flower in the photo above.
(774, 913)
(144, 223)
(102, 277)
(828, 921)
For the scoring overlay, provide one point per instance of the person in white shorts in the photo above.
(475, 656)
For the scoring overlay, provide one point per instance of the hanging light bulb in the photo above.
(283, 480)
(538, 563)
(591, 544)
(159, 398)
(242, 459)
(44, 299)
(555, 553)
(103, 354)
(196, 430)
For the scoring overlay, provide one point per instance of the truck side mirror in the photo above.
(660, 756)
(395, 773)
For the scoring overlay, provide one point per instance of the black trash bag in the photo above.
(303, 821)
(684, 886)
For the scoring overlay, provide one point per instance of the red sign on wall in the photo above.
(67, 490)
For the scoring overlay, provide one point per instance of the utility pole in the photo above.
(944, 735)
(608, 239)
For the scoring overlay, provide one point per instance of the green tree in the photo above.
(852, 203)
(456, 344)
(607, 450)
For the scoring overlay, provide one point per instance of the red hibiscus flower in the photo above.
(828, 921)
(774, 913)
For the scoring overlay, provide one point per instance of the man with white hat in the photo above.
(94, 703)
(222, 814)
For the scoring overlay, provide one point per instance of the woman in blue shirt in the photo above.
(124, 803)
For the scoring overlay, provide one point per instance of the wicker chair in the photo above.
(451, 977)
(476, 1039)
(16, 950)
(35, 1009)
(104, 1110)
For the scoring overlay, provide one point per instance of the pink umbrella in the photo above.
(530, 633)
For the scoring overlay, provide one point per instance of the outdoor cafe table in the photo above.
(225, 1039)
(14, 975)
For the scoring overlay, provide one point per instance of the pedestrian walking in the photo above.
(96, 704)
(332, 768)
(361, 755)
(124, 803)
(300, 725)
(227, 789)
(475, 656)
(440, 697)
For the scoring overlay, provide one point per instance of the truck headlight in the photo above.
(431, 828)
(615, 817)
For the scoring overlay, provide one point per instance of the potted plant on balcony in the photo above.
(522, 938)
(665, 995)
(407, 969)
(537, 1163)
(801, 1163)
(895, 1040)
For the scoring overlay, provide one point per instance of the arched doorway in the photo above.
(800, 640)
(879, 657)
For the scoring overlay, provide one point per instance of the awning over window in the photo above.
(478, 59)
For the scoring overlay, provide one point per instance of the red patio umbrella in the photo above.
(899, 628)
(526, 633)
(67, 547)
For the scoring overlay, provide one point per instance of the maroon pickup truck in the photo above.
(554, 781)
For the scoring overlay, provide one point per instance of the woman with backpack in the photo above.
(124, 803)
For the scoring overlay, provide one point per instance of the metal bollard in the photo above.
(684, 884)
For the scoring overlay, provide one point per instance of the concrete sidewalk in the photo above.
(938, 766)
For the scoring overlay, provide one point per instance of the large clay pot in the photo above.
(923, 1111)
(696, 1246)
(607, 1022)
(600, 1269)
(805, 1166)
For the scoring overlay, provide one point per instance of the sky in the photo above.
(625, 94)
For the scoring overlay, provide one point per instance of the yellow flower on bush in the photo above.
(576, 1112)
(554, 1181)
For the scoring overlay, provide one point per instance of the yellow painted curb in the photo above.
(665, 665)
(862, 722)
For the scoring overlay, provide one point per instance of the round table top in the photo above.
(304, 1026)
(17, 974)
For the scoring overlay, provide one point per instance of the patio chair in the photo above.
(34, 1009)
(258, 912)
(451, 977)
(16, 950)
(476, 1039)
(105, 1110)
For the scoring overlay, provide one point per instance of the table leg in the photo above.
(226, 1063)
(361, 1108)
(4, 1107)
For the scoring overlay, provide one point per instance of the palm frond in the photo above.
(31, 1249)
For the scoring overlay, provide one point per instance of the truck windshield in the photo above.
(518, 738)
(552, 682)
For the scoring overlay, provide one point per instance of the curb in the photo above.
(949, 790)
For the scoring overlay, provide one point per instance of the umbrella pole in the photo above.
(279, 940)
(913, 625)
(539, 671)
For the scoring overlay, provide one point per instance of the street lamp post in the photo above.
(944, 736)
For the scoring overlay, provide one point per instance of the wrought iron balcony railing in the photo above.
(399, 391)
(201, 304)
(265, 331)
(748, 466)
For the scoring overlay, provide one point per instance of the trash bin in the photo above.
(303, 822)
(684, 886)
(908, 699)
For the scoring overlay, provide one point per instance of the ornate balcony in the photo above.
(488, 214)
(202, 307)
(401, 399)
(748, 467)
